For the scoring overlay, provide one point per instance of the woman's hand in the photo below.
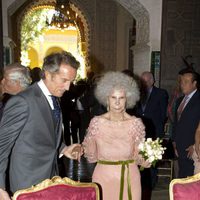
(74, 151)
(146, 164)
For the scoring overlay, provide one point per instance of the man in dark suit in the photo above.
(186, 122)
(152, 107)
(30, 130)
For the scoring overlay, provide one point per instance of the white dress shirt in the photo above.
(46, 92)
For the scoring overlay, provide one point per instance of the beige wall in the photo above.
(124, 23)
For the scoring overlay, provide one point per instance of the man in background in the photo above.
(152, 109)
(16, 78)
(187, 117)
(31, 127)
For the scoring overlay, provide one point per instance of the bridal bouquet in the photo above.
(151, 150)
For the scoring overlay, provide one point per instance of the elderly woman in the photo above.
(113, 138)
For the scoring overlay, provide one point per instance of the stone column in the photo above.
(141, 57)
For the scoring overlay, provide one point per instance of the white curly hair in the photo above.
(117, 80)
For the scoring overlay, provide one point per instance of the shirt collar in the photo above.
(44, 88)
(191, 94)
(46, 92)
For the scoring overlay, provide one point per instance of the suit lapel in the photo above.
(45, 110)
(59, 132)
(189, 104)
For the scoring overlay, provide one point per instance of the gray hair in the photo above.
(18, 72)
(117, 80)
(53, 61)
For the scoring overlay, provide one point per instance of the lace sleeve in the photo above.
(138, 129)
(89, 143)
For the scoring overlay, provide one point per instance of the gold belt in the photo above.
(124, 164)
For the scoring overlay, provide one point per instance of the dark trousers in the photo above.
(146, 182)
(186, 167)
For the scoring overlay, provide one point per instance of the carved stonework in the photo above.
(180, 37)
(141, 15)
(141, 50)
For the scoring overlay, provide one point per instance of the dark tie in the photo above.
(56, 110)
(145, 101)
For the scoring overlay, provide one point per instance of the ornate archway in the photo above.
(141, 49)
(83, 25)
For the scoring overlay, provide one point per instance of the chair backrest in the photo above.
(185, 188)
(59, 188)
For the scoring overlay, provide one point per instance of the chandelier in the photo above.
(63, 16)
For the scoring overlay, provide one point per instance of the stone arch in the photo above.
(141, 15)
(141, 49)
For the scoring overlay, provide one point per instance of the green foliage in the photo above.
(33, 26)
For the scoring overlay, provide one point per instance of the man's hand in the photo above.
(4, 195)
(175, 150)
(197, 149)
(73, 151)
(190, 151)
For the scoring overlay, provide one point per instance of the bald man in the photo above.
(152, 107)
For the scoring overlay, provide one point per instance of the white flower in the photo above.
(141, 146)
(151, 159)
(149, 140)
(151, 150)
(148, 147)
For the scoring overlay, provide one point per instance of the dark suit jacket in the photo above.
(184, 129)
(154, 114)
(29, 136)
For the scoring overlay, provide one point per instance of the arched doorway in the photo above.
(141, 49)
(79, 35)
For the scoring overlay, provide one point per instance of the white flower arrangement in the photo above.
(151, 150)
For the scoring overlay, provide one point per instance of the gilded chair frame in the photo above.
(57, 180)
(190, 179)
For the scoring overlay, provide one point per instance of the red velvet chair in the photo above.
(59, 189)
(185, 188)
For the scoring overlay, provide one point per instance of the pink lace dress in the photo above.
(196, 162)
(115, 141)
